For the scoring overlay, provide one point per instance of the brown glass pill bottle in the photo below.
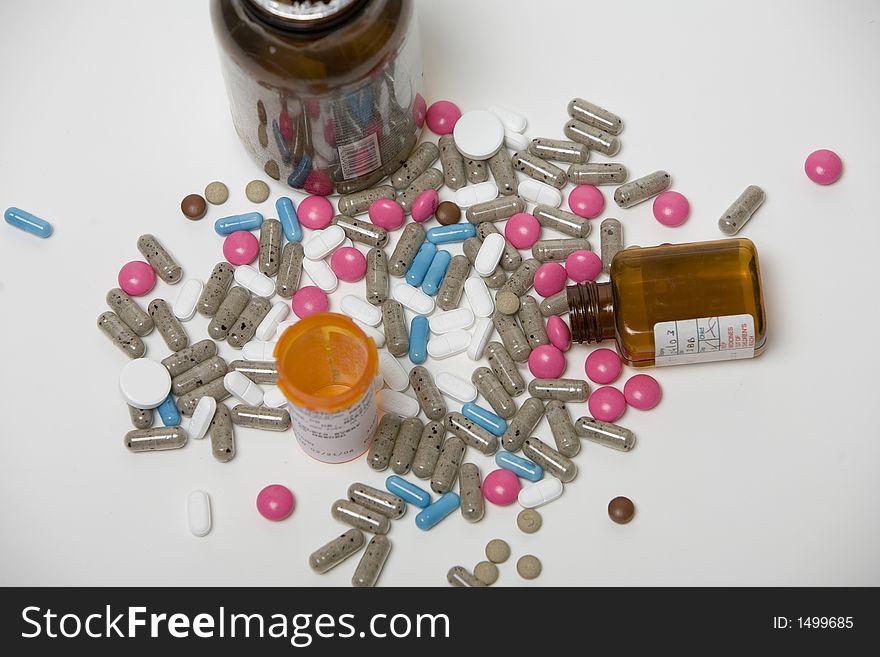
(676, 304)
(325, 94)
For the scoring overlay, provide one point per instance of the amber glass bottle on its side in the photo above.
(676, 304)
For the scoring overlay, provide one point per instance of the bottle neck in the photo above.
(591, 311)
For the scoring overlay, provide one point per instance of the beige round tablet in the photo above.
(216, 193)
(528, 567)
(497, 551)
(486, 572)
(528, 521)
(507, 303)
(256, 191)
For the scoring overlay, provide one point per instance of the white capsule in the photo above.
(321, 274)
(449, 344)
(268, 327)
(198, 512)
(201, 417)
(252, 280)
(283, 326)
(371, 332)
(259, 350)
(509, 119)
(456, 387)
(413, 298)
(489, 254)
(544, 491)
(479, 340)
(453, 320)
(323, 242)
(515, 141)
(358, 308)
(274, 398)
(479, 297)
(473, 194)
(184, 307)
(242, 388)
(534, 191)
(392, 372)
(392, 401)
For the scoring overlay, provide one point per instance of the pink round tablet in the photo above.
(559, 333)
(315, 212)
(671, 209)
(642, 392)
(823, 167)
(136, 278)
(386, 213)
(583, 266)
(546, 362)
(442, 117)
(550, 279)
(419, 109)
(241, 247)
(606, 404)
(309, 300)
(348, 264)
(501, 487)
(586, 201)
(522, 230)
(285, 126)
(425, 205)
(319, 183)
(603, 366)
(275, 502)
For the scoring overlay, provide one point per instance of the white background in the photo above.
(751, 472)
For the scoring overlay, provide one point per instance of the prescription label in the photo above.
(360, 157)
(705, 339)
(336, 437)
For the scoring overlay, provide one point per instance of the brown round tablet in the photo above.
(193, 207)
(621, 510)
(447, 213)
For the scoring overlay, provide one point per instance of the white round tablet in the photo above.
(144, 383)
(478, 134)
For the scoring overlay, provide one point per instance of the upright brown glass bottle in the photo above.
(676, 304)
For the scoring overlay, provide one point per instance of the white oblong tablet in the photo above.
(274, 398)
(243, 389)
(392, 401)
(321, 274)
(473, 194)
(283, 326)
(201, 417)
(198, 512)
(371, 332)
(259, 350)
(537, 192)
(250, 279)
(489, 254)
(479, 297)
(449, 344)
(277, 313)
(542, 492)
(456, 387)
(515, 141)
(479, 340)
(323, 242)
(184, 307)
(413, 298)
(509, 119)
(452, 320)
(392, 372)
(478, 134)
(358, 308)
(144, 383)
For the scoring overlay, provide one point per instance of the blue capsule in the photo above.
(451, 233)
(434, 513)
(485, 418)
(283, 148)
(420, 264)
(302, 170)
(28, 222)
(408, 492)
(418, 339)
(519, 465)
(248, 221)
(360, 104)
(289, 220)
(168, 412)
(436, 273)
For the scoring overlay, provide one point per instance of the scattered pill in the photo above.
(489, 254)
(506, 302)
(167, 325)
(442, 117)
(476, 194)
(267, 328)
(446, 469)
(523, 423)
(519, 465)
(459, 576)
(360, 517)
(454, 386)
(252, 280)
(168, 413)
(540, 493)
(127, 309)
(449, 344)
(522, 230)
(198, 513)
(392, 372)
(558, 333)
(539, 193)
(419, 161)
(336, 551)
(348, 264)
(136, 278)
(156, 439)
(671, 209)
(258, 350)
(201, 417)
(431, 515)
(420, 264)
(823, 167)
(320, 273)
(596, 116)
(256, 191)
(193, 206)
(386, 213)
(289, 219)
(413, 298)
(216, 193)
(453, 165)
(642, 392)
(559, 150)
(511, 260)
(398, 403)
(315, 212)
(436, 273)
(484, 418)
(476, 171)
(501, 487)
(546, 362)
(528, 521)
(394, 325)
(428, 395)
(310, 300)
(564, 435)
(478, 297)
(504, 173)
(144, 383)
(247, 221)
(583, 265)
(586, 201)
(539, 169)
(184, 307)
(470, 492)
(242, 388)
(550, 278)
(486, 572)
(241, 247)
(141, 418)
(742, 209)
(621, 510)
(603, 366)
(372, 561)
(528, 567)
(480, 338)
(478, 134)
(497, 551)
(595, 138)
(263, 418)
(408, 492)
(641, 189)
(452, 320)
(447, 213)
(555, 305)
(607, 404)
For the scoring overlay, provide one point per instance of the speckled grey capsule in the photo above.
(430, 399)
(504, 368)
(449, 295)
(185, 359)
(187, 403)
(270, 247)
(522, 424)
(394, 324)
(557, 250)
(641, 189)
(372, 561)
(429, 450)
(336, 551)
(246, 323)
(452, 163)
(459, 576)
(360, 517)
(222, 434)
(539, 169)
(377, 500)
(599, 173)
(594, 138)
(260, 417)
(446, 470)
(361, 231)
(471, 433)
(567, 442)
(555, 305)
(498, 209)
(493, 392)
(470, 486)
(359, 202)
(290, 270)
(605, 433)
(610, 241)
(405, 445)
(502, 170)
(215, 289)
(559, 150)
(376, 279)
(154, 440)
(160, 260)
(548, 458)
(565, 390)
(120, 335)
(738, 214)
(405, 250)
(592, 114)
(430, 179)
(510, 259)
(523, 278)
(127, 309)
(512, 336)
(471, 248)
(383, 442)
(476, 171)
(532, 322)
(224, 319)
(421, 158)
(141, 418)
(168, 325)
(565, 222)
(195, 377)
(258, 371)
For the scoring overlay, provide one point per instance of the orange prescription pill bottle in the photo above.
(327, 367)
